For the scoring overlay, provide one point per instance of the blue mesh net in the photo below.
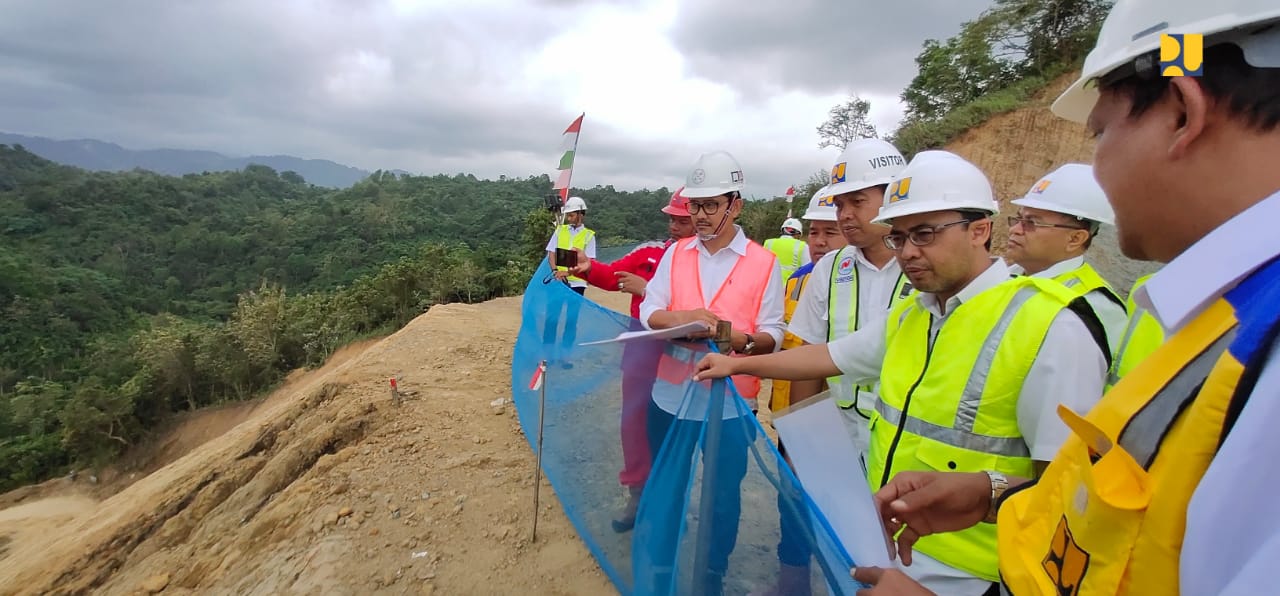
(720, 509)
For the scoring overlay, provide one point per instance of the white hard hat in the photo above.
(821, 206)
(937, 184)
(714, 174)
(865, 163)
(1071, 190)
(574, 204)
(1135, 27)
(792, 224)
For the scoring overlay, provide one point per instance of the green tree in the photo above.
(846, 122)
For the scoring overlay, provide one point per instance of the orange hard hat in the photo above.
(679, 205)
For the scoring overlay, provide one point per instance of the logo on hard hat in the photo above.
(699, 176)
(1181, 54)
(837, 172)
(827, 201)
(899, 190)
(735, 176)
(1041, 186)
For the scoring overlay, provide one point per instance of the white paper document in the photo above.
(830, 469)
(684, 330)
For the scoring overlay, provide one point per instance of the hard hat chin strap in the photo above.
(724, 219)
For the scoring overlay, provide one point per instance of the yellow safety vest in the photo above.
(843, 315)
(580, 241)
(950, 404)
(1109, 514)
(789, 252)
(1141, 337)
(781, 395)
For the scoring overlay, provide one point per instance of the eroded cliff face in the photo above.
(1017, 148)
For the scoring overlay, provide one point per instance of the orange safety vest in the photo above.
(737, 301)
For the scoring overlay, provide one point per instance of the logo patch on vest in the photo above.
(906, 290)
(844, 272)
(1066, 562)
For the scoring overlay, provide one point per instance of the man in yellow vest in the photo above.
(1164, 486)
(970, 366)
(1055, 224)
(719, 274)
(790, 250)
(573, 234)
(1142, 335)
(824, 237)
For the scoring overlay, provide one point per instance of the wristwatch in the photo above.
(750, 345)
(999, 484)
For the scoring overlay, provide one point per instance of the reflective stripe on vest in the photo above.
(1141, 337)
(950, 403)
(1109, 514)
(737, 301)
(843, 317)
(1085, 279)
(564, 241)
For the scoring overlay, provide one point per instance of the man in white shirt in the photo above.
(572, 235)
(989, 355)
(1188, 163)
(1056, 223)
(717, 275)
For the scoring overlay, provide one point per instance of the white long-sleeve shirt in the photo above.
(1111, 314)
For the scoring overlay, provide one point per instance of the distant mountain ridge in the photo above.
(92, 154)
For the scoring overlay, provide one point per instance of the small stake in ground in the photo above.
(539, 383)
(395, 391)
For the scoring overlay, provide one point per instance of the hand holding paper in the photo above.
(932, 502)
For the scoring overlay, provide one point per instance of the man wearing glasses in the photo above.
(1055, 224)
(717, 275)
(971, 368)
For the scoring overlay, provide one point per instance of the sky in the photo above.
(476, 86)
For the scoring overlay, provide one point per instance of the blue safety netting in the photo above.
(717, 494)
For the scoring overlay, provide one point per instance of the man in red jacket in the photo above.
(631, 274)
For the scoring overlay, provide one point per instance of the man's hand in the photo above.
(562, 275)
(932, 502)
(631, 283)
(584, 263)
(888, 582)
(714, 366)
(700, 315)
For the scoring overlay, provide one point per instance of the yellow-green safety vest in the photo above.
(1141, 337)
(789, 252)
(580, 241)
(950, 404)
(843, 314)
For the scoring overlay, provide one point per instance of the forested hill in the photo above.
(129, 295)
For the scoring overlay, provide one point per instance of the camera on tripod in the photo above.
(552, 202)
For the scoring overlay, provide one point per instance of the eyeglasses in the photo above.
(708, 207)
(1028, 224)
(921, 236)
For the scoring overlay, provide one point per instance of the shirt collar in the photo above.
(861, 257)
(995, 275)
(1061, 267)
(1213, 265)
(738, 244)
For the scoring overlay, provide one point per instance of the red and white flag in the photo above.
(536, 382)
(791, 191)
(568, 147)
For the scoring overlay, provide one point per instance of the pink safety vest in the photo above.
(737, 301)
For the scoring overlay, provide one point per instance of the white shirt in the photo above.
(573, 233)
(875, 287)
(1232, 541)
(714, 269)
(1111, 313)
(1069, 368)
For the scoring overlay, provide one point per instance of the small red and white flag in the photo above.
(536, 382)
(791, 191)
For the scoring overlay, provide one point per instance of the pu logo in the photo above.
(1041, 186)
(1181, 55)
(837, 172)
(1066, 562)
(827, 201)
(899, 190)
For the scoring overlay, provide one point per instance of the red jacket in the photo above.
(642, 261)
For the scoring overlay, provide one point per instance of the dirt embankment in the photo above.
(1017, 148)
(324, 487)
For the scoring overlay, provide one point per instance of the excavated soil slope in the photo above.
(1017, 148)
(328, 487)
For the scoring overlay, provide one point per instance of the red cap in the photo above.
(679, 205)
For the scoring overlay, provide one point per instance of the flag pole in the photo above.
(568, 182)
(537, 473)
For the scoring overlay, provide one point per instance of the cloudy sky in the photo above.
(479, 86)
